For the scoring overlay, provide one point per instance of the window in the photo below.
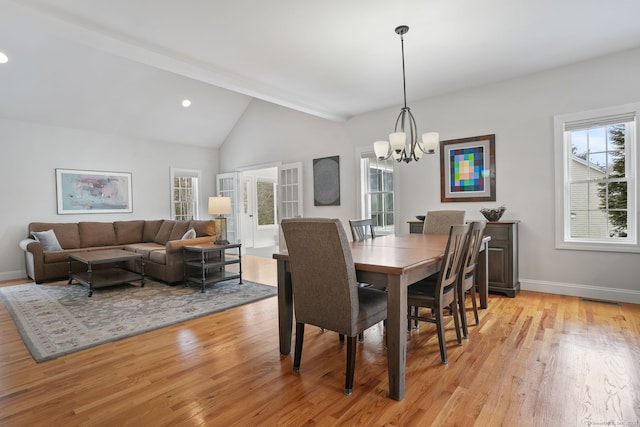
(184, 194)
(377, 191)
(596, 180)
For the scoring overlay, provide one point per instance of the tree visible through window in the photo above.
(613, 193)
(266, 198)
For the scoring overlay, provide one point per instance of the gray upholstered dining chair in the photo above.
(436, 294)
(325, 290)
(361, 229)
(466, 278)
(438, 222)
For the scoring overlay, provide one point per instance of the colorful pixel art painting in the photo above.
(467, 169)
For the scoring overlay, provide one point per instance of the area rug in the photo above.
(58, 319)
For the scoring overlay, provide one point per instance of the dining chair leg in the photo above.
(463, 314)
(472, 292)
(361, 337)
(456, 322)
(441, 337)
(351, 365)
(298, 350)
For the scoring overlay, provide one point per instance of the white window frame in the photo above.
(189, 173)
(363, 180)
(563, 158)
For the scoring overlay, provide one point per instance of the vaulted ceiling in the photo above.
(124, 66)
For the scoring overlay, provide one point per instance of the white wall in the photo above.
(32, 152)
(520, 112)
(268, 133)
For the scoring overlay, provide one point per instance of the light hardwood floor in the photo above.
(535, 360)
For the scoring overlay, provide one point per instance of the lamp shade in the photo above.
(219, 205)
(430, 141)
(381, 149)
(397, 140)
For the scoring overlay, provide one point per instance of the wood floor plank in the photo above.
(534, 360)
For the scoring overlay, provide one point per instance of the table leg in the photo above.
(203, 270)
(89, 274)
(285, 307)
(396, 335)
(142, 272)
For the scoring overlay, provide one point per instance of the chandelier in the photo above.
(398, 147)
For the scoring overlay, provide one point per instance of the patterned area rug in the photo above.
(58, 319)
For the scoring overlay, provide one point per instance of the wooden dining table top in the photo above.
(394, 254)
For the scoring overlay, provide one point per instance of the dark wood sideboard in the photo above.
(503, 255)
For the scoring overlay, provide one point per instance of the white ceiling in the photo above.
(123, 66)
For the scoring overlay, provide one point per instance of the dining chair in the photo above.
(438, 222)
(466, 278)
(325, 290)
(441, 292)
(361, 228)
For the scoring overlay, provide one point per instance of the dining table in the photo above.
(393, 262)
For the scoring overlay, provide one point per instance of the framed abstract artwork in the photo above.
(81, 191)
(468, 169)
(326, 181)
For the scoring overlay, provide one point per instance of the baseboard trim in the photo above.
(12, 275)
(585, 291)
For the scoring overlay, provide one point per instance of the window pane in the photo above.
(377, 192)
(184, 197)
(598, 189)
(373, 180)
(266, 198)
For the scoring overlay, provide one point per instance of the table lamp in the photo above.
(220, 206)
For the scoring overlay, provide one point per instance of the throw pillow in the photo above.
(48, 239)
(190, 234)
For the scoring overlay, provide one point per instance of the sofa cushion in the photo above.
(178, 230)
(128, 231)
(190, 234)
(159, 256)
(96, 234)
(67, 233)
(203, 227)
(48, 240)
(144, 248)
(151, 229)
(162, 237)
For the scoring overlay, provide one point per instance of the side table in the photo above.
(209, 265)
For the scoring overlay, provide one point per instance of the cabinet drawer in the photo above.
(497, 233)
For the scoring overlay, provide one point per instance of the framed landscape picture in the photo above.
(468, 169)
(81, 191)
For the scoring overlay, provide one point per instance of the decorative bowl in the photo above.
(420, 217)
(493, 214)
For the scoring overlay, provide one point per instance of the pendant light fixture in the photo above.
(398, 147)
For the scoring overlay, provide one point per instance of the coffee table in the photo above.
(105, 276)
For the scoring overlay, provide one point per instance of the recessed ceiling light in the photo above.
(3, 58)
(186, 103)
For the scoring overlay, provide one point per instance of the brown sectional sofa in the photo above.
(159, 241)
